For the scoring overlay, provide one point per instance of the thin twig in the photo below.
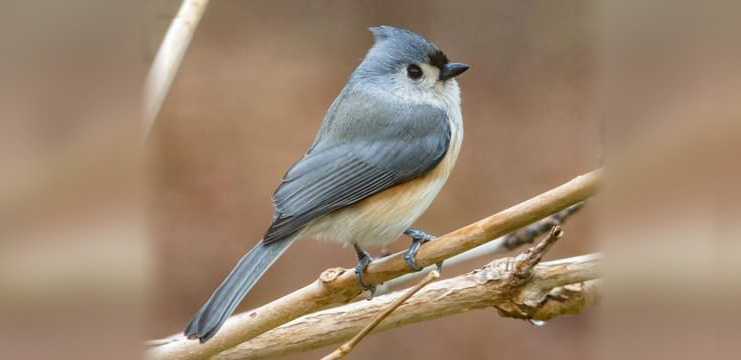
(339, 286)
(169, 56)
(528, 234)
(347, 347)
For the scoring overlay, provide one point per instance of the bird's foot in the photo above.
(419, 237)
(363, 260)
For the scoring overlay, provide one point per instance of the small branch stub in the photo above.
(330, 275)
(526, 262)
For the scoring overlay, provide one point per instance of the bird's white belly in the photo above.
(382, 218)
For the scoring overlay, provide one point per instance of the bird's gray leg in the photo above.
(363, 260)
(419, 237)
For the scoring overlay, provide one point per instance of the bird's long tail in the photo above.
(209, 318)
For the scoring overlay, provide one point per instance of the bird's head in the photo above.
(407, 63)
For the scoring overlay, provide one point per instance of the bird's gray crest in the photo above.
(395, 48)
(383, 32)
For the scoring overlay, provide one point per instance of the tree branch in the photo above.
(338, 286)
(511, 241)
(517, 287)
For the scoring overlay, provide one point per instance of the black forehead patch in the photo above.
(438, 59)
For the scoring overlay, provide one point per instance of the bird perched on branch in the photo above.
(384, 150)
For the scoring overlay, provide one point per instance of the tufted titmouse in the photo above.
(385, 148)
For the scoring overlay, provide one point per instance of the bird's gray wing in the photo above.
(366, 144)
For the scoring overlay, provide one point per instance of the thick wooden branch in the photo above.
(516, 287)
(338, 286)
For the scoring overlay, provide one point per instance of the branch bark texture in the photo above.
(516, 287)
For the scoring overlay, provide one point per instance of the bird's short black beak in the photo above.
(452, 70)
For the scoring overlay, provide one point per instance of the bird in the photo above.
(383, 152)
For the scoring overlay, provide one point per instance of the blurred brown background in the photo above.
(252, 92)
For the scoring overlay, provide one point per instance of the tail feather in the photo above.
(209, 318)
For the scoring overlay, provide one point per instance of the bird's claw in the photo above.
(363, 260)
(419, 237)
(410, 258)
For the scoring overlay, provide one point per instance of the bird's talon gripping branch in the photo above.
(363, 260)
(419, 237)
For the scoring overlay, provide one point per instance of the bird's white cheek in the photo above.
(432, 74)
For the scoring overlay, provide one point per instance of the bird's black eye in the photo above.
(414, 72)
